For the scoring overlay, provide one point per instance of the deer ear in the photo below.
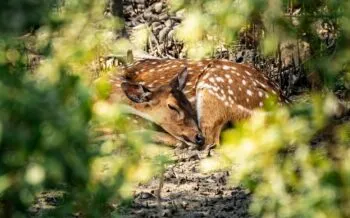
(136, 92)
(179, 82)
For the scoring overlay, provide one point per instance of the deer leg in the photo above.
(211, 114)
(212, 133)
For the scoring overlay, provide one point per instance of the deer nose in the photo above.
(199, 139)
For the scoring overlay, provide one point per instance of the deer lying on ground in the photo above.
(165, 105)
(178, 94)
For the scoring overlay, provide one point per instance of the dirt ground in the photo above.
(187, 192)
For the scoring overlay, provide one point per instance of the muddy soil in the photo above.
(187, 192)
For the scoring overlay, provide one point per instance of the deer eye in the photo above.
(174, 108)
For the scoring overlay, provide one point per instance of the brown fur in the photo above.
(164, 105)
(219, 91)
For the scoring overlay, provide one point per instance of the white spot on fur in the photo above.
(262, 84)
(219, 79)
(261, 104)
(230, 92)
(211, 92)
(241, 107)
(225, 67)
(223, 98)
(228, 76)
(211, 79)
(205, 76)
(244, 82)
(230, 81)
(250, 93)
(203, 85)
(152, 70)
(261, 94)
(230, 99)
(248, 73)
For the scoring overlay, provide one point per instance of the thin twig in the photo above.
(159, 190)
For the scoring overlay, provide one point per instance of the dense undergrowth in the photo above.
(52, 121)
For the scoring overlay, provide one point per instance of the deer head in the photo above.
(167, 106)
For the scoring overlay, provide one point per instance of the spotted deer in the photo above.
(165, 105)
(218, 92)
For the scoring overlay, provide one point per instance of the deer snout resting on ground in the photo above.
(215, 92)
(165, 104)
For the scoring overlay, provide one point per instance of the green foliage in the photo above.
(55, 132)
(20, 16)
(274, 153)
(44, 136)
(210, 24)
(271, 155)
